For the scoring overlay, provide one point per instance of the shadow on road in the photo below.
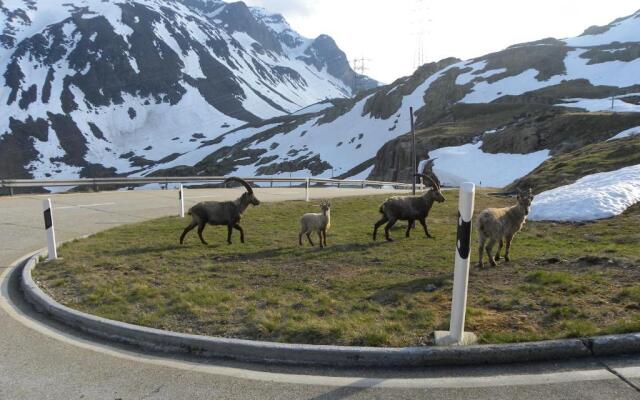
(344, 392)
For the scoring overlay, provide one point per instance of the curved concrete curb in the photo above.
(317, 355)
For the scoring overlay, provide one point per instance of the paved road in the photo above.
(40, 359)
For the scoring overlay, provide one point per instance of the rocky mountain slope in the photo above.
(98, 88)
(518, 106)
(231, 83)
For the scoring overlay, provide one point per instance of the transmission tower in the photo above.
(421, 26)
(359, 68)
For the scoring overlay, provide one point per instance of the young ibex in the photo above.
(316, 222)
(409, 208)
(226, 213)
(501, 224)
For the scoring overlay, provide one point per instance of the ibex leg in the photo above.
(239, 228)
(324, 235)
(423, 222)
(409, 226)
(200, 229)
(508, 249)
(187, 230)
(309, 238)
(378, 224)
(320, 238)
(388, 227)
(229, 231)
(489, 248)
(500, 243)
(480, 252)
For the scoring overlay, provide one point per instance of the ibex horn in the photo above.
(240, 181)
(433, 182)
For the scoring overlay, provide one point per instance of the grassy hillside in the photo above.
(567, 168)
(564, 280)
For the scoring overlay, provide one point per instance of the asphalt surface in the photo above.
(40, 359)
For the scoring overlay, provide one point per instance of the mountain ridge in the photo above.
(546, 97)
(106, 79)
(550, 95)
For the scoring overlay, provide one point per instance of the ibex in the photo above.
(500, 225)
(316, 222)
(409, 208)
(226, 213)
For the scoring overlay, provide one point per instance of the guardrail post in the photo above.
(181, 198)
(51, 233)
(456, 334)
(306, 191)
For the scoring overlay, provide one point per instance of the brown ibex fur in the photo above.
(500, 225)
(226, 213)
(409, 208)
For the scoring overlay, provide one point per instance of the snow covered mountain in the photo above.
(98, 88)
(204, 87)
(480, 117)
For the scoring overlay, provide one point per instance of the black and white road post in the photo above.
(306, 190)
(181, 199)
(413, 153)
(456, 334)
(51, 233)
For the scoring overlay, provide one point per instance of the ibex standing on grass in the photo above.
(409, 208)
(500, 225)
(226, 213)
(316, 222)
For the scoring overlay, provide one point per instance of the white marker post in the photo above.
(456, 334)
(51, 233)
(306, 191)
(181, 199)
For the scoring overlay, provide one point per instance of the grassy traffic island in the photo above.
(564, 280)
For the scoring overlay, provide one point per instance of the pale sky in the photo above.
(388, 33)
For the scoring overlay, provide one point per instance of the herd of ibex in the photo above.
(495, 225)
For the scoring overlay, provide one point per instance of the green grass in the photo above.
(355, 292)
(566, 168)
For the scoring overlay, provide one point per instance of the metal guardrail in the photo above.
(132, 181)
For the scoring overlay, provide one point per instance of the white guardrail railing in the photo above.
(196, 180)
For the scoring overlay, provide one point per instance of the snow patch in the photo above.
(468, 163)
(594, 105)
(627, 133)
(627, 30)
(596, 196)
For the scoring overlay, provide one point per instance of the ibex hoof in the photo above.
(507, 259)
(480, 265)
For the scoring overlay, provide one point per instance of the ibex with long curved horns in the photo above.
(410, 208)
(226, 213)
